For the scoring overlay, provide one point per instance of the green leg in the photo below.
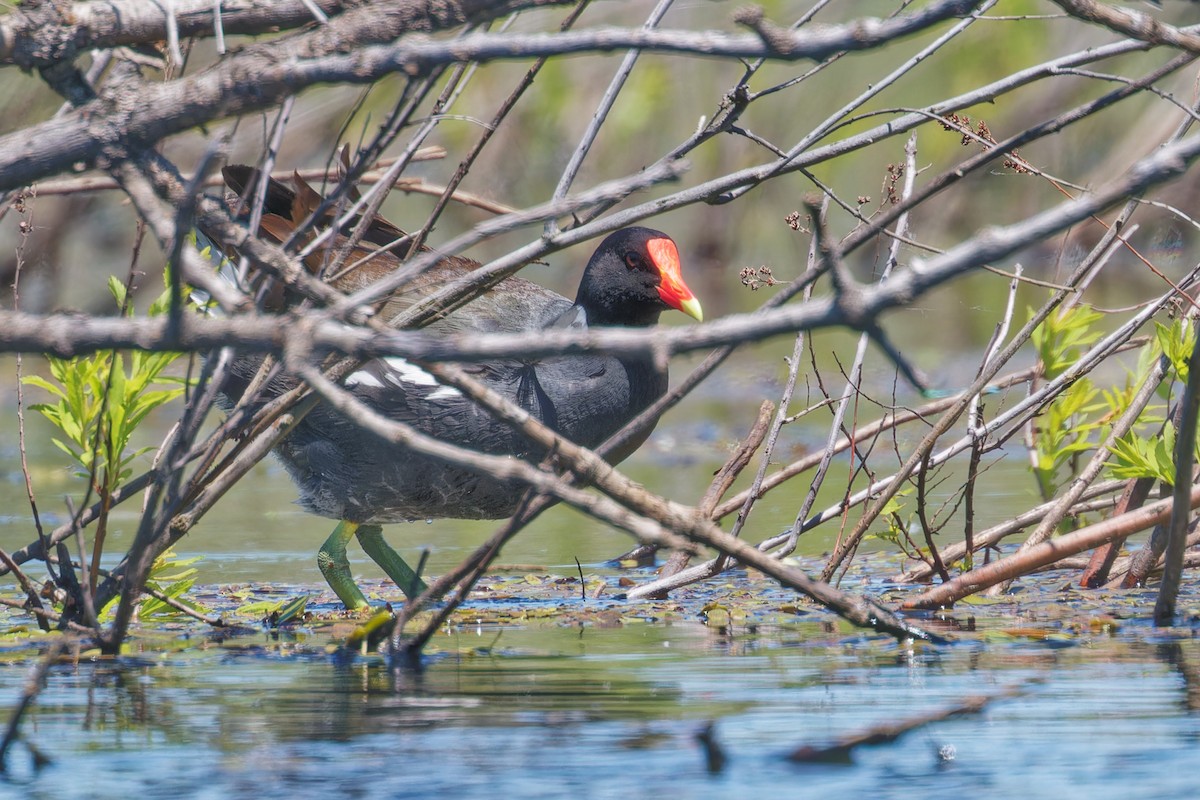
(331, 558)
(372, 541)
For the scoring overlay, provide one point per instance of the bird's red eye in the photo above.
(633, 260)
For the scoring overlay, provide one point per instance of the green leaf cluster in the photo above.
(1176, 343)
(1153, 456)
(172, 577)
(100, 400)
(1137, 456)
(1065, 428)
(1060, 338)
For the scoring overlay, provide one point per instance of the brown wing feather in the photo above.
(514, 304)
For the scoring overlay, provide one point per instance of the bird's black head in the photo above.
(634, 276)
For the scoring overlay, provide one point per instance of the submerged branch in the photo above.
(842, 750)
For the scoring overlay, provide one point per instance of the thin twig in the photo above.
(600, 114)
(21, 203)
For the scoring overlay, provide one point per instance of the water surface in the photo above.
(589, 711)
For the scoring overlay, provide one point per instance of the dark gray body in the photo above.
(347, 473)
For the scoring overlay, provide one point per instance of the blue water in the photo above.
(611, 712)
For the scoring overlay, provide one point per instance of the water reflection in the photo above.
(611, 712)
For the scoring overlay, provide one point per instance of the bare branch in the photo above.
(261, 76)
(1132, 23)
(1048, 552)
(45, 34)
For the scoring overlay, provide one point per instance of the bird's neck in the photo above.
(647, 382)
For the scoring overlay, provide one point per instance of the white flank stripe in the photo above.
(364, 378)
(402, 371)
(445, 393)
(409, 373)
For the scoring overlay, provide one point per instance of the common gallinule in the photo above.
(346, 473)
